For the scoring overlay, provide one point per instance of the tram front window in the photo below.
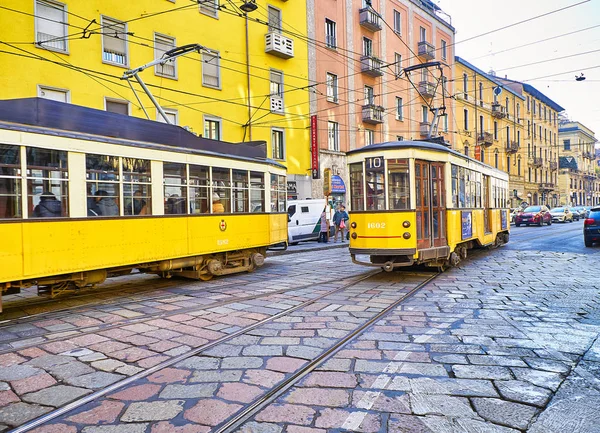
(375, 183)
(398, 184)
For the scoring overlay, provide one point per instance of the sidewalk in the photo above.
(308, 246)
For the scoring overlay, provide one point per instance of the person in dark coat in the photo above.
(48, 207)
(340, 219)
(105, 205)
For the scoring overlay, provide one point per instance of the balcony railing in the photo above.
(369, 19)
(485, 139)
(371, 66)
(536, 162)
(498, 111)
(426, 50)
(279, 45)
(512, 146)
(330, 41)
(372, 114)
(588, 155)
(546, 186)
(427, 89)
(425, 126)
(553, 165)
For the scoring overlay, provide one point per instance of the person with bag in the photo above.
(340, 219)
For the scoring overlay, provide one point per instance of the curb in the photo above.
(295, 251)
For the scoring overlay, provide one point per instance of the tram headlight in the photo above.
(354, 235)
(406, 224)
(406, 235)
(353, 225)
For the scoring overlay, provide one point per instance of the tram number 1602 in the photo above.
(375, 225)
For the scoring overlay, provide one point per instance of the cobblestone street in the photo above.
(505, 342)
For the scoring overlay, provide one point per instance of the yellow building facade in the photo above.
(247, 81)
(489, 124)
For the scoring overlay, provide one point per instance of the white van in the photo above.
(304, 220)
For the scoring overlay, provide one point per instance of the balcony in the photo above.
(371, 66)
(485, 139)
(588, 155)
(276, 104)
(536, 162)
(427, 89)
(278, 45)
(498, 111)
(546, 186)
(372, 114)
(369, 19)
(425, 126)
(512, 146)
(426, 50)
(553, 165)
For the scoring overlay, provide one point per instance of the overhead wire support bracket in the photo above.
(168, 56)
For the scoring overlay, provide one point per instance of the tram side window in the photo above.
(455, 183)
(175, 188)
(257, 192)
(199, 189)
(10, 181)
(47, 183)
(137, 186)
(278, 193)
(398, 184)
(102, 185)
(221, 188)
(375, 184)
(240, 190)
(357, 188)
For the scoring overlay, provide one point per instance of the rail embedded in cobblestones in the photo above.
(147, 372)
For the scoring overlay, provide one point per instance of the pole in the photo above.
(156, 104)
(248, 81)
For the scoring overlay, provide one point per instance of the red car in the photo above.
(539, 215)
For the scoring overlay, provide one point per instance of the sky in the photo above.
(581, 99)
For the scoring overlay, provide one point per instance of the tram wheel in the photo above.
(206, 277)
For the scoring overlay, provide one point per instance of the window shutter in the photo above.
(111, 43)
(50, 24)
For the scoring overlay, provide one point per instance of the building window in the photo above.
(424, 114)
(507, 111)
(274, 20)
(369, 137)
(398, 64)
(333, 136)
(466, 85)
(495, 130)
(114, 106)
(369, 96)
(399, 108)
(533, 104)
(496, 159)
(528, 107)
(481, 129)
(444, 50)
(211, 70)
(276, 91)
(518, 114)
(212, 128)
(466, 150)
(519, 167)
(332, 87)
(519, 138)
(330, 34)
(51, 25)
(397, 22)
(445, 123)
(162, 44)
(59, 95)
(210, 8)
(172, 115)
(567, 144)
(466, 118)
(278, 143)
(114, 42)
(481, 94)
(422, 34)
(367, 47)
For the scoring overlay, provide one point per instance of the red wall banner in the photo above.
(314, 148)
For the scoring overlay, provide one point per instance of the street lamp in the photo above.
(529, 199)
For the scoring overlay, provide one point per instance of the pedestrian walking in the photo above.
(340, 219)
(324, 228)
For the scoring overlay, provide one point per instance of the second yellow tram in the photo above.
(415, 202)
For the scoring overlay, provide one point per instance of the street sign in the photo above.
(326, 182)
(314, 148)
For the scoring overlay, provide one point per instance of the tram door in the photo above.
(431, 205)
(486, 204)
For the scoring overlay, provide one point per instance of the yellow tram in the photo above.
(416, 202)
(86, 194)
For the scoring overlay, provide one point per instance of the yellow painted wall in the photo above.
(24, 69)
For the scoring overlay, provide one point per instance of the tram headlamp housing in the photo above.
(406, 235)
(354, 235)
(406, 224)
(353, 225)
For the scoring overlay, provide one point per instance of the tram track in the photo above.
(175, 360)
(151, 317)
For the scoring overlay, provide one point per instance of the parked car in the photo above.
(583, 211)
(513, 214)
(591, 227)
(562, 214)
(534, 215)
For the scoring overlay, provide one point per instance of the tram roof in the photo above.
(39, 115)
(409, 144)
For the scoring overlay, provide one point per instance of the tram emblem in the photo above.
(223, 225)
